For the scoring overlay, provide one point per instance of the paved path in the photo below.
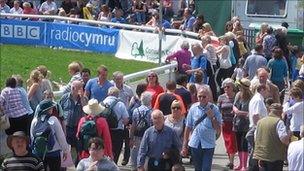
(220, 159)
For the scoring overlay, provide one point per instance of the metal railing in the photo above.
(94, 22)
(165, 73)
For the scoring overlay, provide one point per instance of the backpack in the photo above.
(142, 124)
(110, 115)
(88, 130)
(44, 137)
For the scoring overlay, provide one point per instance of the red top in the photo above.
(103, 132)
(155, 90)
(178, 97)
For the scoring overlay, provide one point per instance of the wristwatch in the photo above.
(213, 118)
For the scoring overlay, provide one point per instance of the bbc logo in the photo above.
(20, 31)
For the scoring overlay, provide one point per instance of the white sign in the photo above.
(144, 46)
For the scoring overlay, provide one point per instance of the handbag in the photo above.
(4, 122)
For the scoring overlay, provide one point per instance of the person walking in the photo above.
(204, 120)
(271, 140)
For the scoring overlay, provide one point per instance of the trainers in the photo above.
(124, 163)
(230, 165)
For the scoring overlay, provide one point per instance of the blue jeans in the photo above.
(202, 158)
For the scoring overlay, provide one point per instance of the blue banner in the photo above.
(69, 36)
(22, 32)
(82, 37)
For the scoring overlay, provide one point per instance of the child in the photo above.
(294, 110)
(238, 73)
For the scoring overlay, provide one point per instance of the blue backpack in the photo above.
(44, 137)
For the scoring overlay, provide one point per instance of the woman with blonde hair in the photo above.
(261, 34)
(175, 120)
(74, 69)
(207, 30)
(241, 121)
(35, 90)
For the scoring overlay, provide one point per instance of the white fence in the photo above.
(125, 26)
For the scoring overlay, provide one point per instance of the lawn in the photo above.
(22, 59)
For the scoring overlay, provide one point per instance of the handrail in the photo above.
(144, 73)
(128, 26)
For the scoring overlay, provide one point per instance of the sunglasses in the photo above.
(95, 149)
(227, 87)
(175, 107)
(150, 76)
(201, 96)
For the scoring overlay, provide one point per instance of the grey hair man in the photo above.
(148, 148)
(125, 95)
(125, 91)
(142, 114)
(271, 140)
(120, 110)
(72, 104)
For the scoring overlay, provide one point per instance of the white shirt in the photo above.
(239, 73)
(16, 11)
(256, 107)
(45, 6)
(295, 155)
(297, 112)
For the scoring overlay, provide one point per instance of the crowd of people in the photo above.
(252, 98)
(118, 11)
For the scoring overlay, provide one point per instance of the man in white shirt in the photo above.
(48, 8)
(295, 154)
(257, 107)
(257, 111)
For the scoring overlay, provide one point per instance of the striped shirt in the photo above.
(28, 162)
(11, 102)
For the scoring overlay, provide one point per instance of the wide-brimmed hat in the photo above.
(93, 107)
(44, 106)
(19, 134)
(244, 82)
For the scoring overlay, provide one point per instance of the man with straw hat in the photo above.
(99, 127)
(22, 159)
(271, 140)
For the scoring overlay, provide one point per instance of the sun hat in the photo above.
(19, 134)
(175, 103)
(44, 106)
(93, 107)
(244, 82)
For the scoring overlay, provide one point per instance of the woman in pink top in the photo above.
(182, 57)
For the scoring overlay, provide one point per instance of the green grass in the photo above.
(23, 59)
